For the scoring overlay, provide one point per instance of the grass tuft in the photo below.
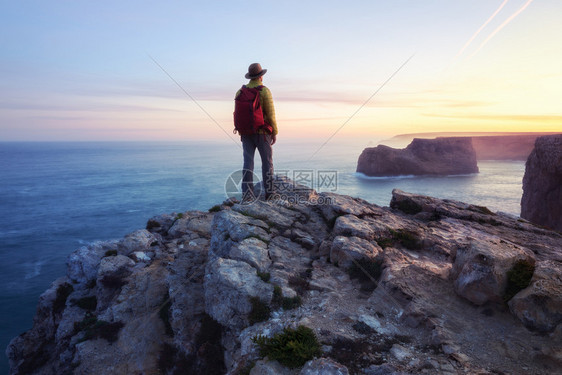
(265, 276)
(215, 208)
(518, 278)
(292, 348)
(94, 328)
(289, 303)
(404, 237)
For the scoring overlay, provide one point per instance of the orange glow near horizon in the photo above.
(495, 69)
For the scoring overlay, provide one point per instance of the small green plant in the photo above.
(290, 303)
(87, 303)
(292, 348)
(215, 208)
(518, 278)
(408, 239)
(94, 328)
(287, 303)
(277, 298)
(110, 253)
(260, 311)
(179, 216)
(385, 242)
(63, 291)
(265, 276)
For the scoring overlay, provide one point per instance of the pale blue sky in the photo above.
(76, 70)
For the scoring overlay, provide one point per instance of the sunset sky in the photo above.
(77, 70)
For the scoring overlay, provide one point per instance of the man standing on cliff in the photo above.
(262, 134)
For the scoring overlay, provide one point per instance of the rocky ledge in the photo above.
(332, 285)
(440, 156)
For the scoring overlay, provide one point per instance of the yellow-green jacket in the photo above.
(266, 100)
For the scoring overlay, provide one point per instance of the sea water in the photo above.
(56, 197)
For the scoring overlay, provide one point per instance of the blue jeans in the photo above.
(249, 144)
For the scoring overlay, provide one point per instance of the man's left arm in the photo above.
(269, 112)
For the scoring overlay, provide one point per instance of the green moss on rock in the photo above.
(292, 348)
(518, 278)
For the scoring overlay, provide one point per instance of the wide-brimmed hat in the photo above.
(255, 71)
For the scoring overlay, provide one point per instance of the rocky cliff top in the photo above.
(441, 156)
(332, 285)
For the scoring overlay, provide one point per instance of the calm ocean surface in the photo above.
(56, 197)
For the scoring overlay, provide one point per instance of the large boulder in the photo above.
(539, 306)
(139, 240)
(441, 156)
(230, 227)
(82, 264)
(542, 184)
(199, 222)
(345, 250)
(229, 284)
(480, 269)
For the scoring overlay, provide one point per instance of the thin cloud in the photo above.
(82, 108)
(481, 28)
(504, 24)
(528, 118)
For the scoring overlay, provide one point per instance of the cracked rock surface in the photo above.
(417, 287)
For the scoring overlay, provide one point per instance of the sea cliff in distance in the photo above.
(441, 156)
(488, 146)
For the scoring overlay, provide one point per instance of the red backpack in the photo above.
(248, 114)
